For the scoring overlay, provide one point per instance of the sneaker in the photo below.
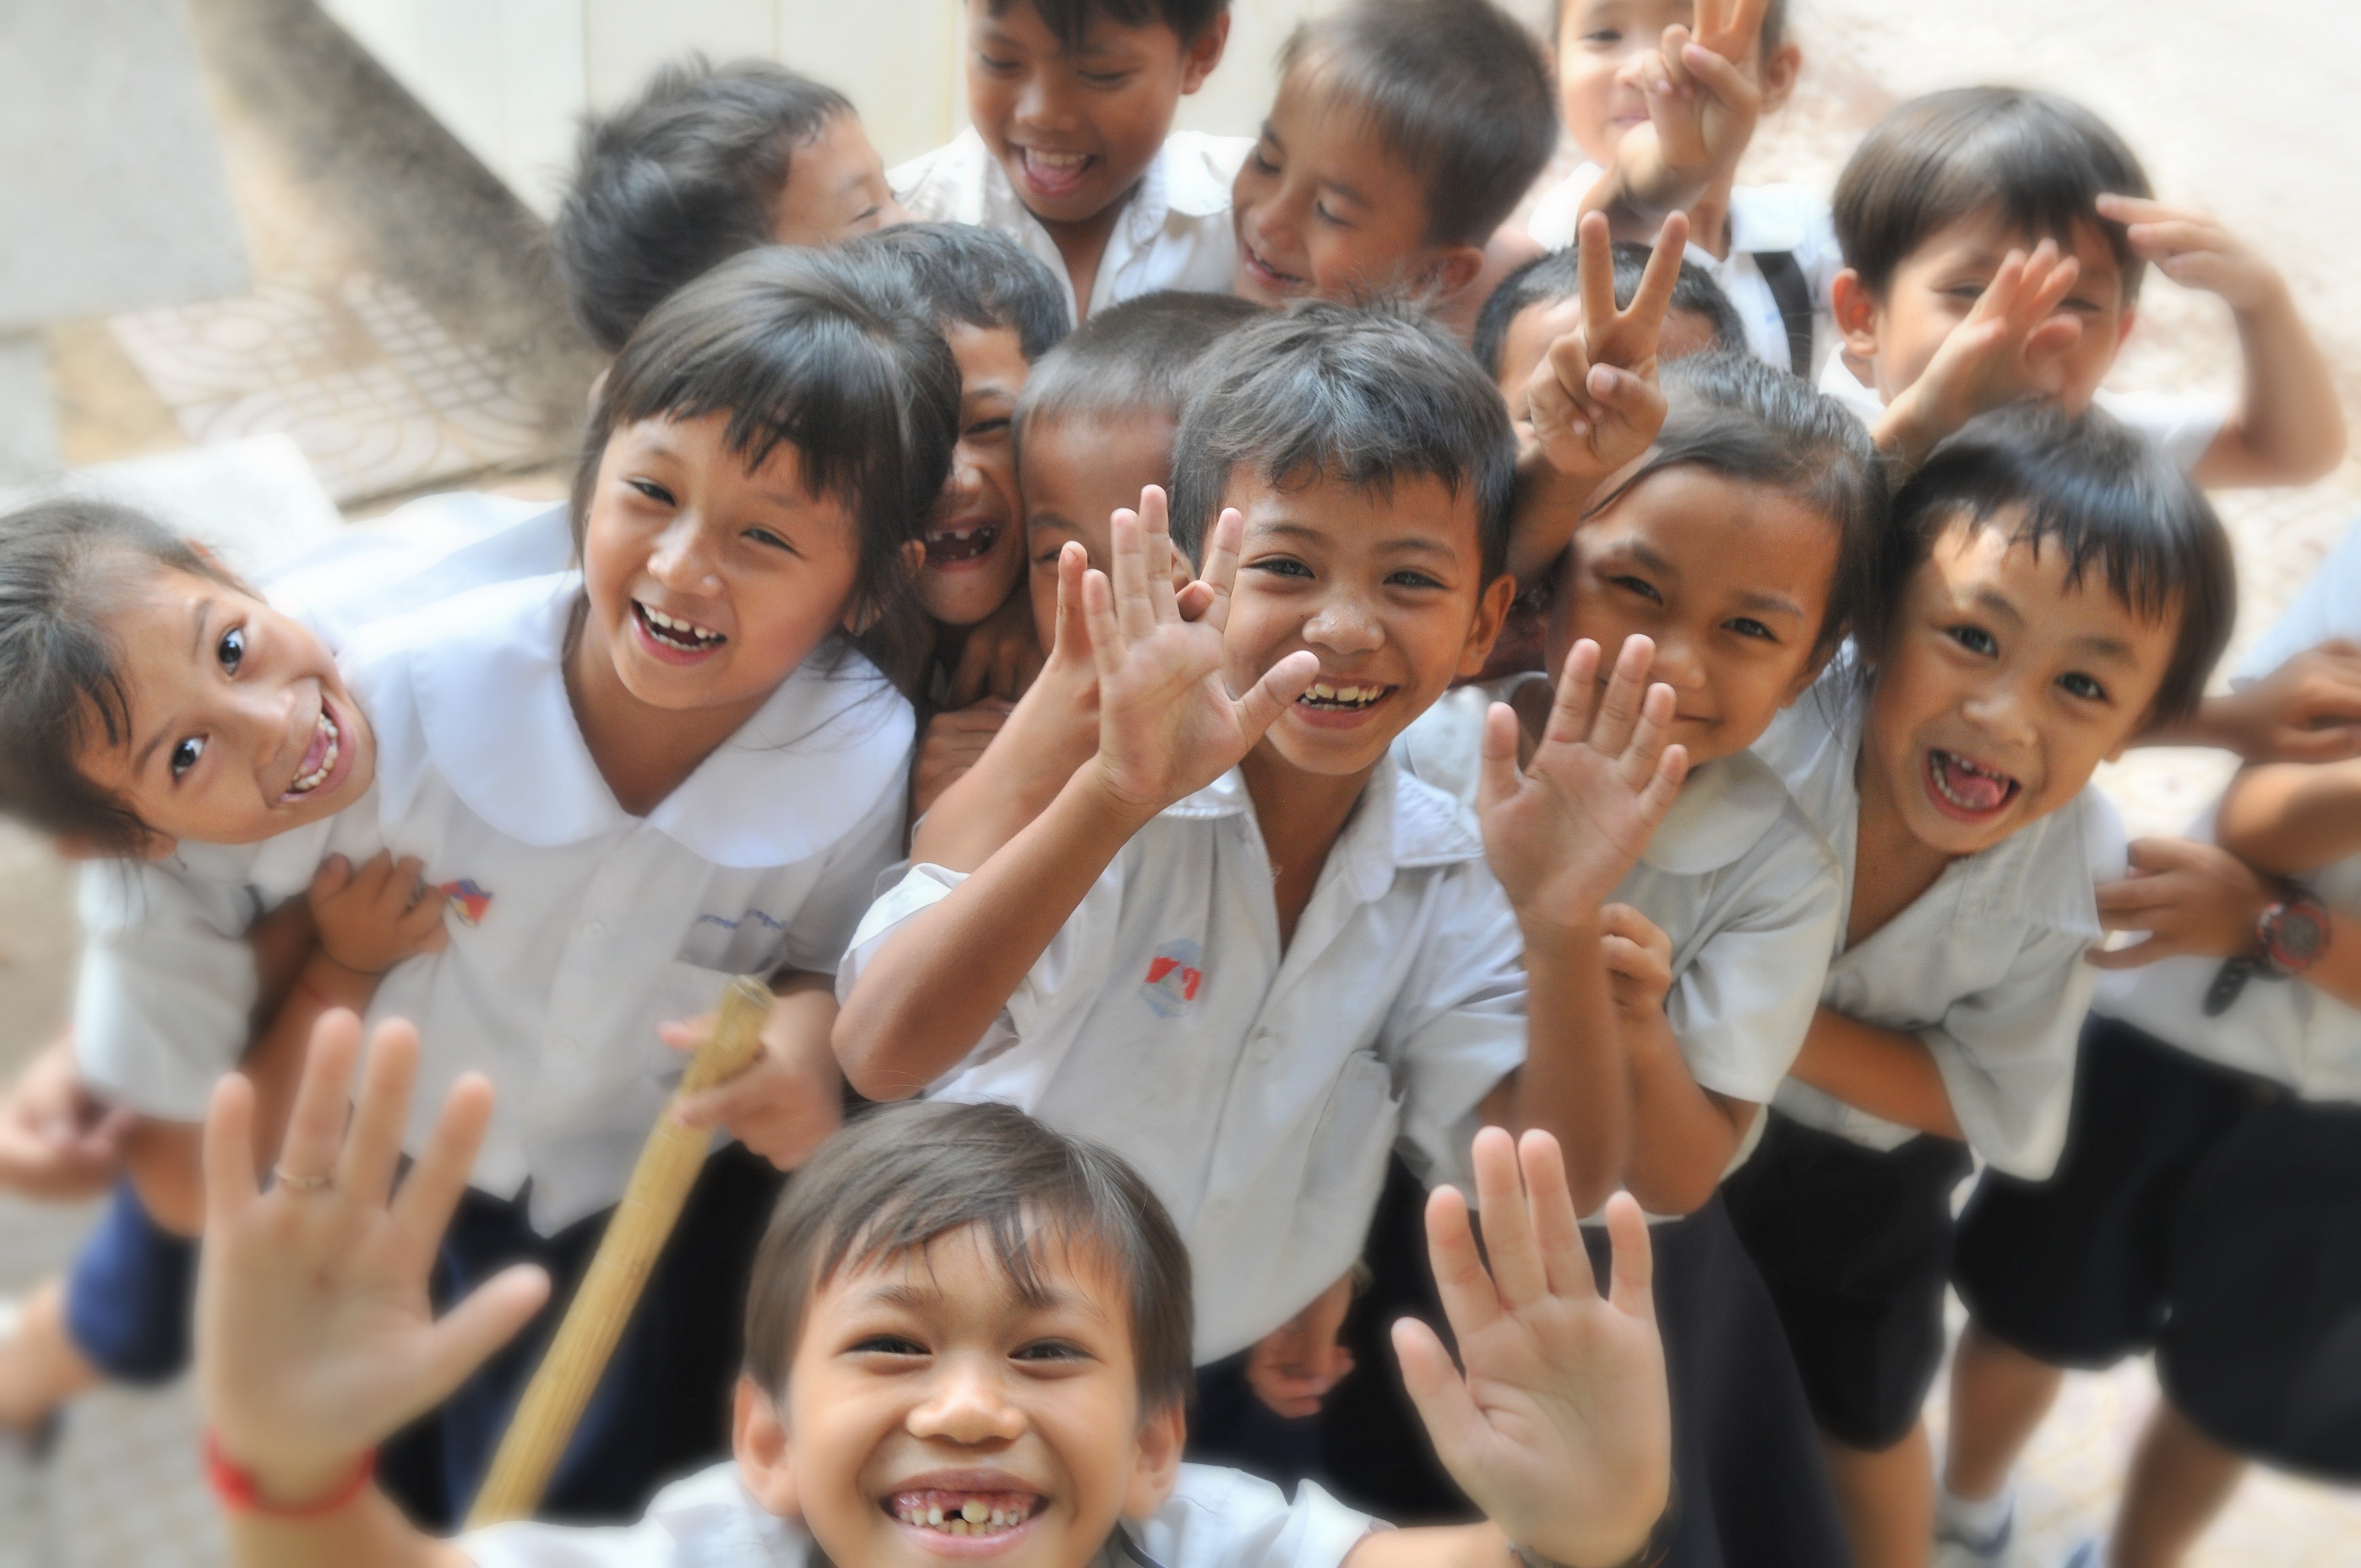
(1954, 1547)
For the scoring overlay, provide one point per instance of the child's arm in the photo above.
(2200, 899)
(2307, 710)
(1702, 107)
(1683, 1134)
(1168, 727)
(1885, 1072)
(2292, 817)
(1000, 656)
(1560, 1429)
(58, 1143)
(315, 1338)
(1560, 834)
(1995, 357)
(1593, 402)
(2289, 425)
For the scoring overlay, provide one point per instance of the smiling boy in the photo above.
(1071, 151)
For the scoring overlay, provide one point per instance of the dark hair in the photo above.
(1138, 357)
(1457, 90)
(1363, 395)
(1547, 280)
(2107, 497)
(1733, 415)
(977, 276)
(1069, 20)
(62, 684)
(1774, 25)
(681, 177)
(900, 1177)
(2040, 160)
(823, 351)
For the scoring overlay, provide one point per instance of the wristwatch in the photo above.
(2291, 936)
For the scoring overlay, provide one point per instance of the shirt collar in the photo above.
(1766, 218)
(1398, 822)
(1190, 178)
(1723, 810)
(487, 672)
(1838, 381)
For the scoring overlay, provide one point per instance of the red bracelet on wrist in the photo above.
(237, 1489)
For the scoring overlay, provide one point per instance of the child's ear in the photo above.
(1453, 269)
(1156, 1460)
(1491, 614)
(2126, 319)
(759, 1437)
(1855, 309)
(1203, 53)
(1779, 73)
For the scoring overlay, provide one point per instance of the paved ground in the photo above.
(398, 290)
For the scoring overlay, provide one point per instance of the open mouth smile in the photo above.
(320, 758)
(961, 543)
(670, 633)
(945, 1516)
(1263, 272)
(1054, 174)
(1963, 790)
(1332, 704)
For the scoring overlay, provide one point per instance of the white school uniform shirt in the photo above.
(2328, 607)
(1257, 1093)
(577, 927)
(1214, 1518)
(1173, 233)
(2180, 425)
(1762, 218)
(164, 1000)
(1985, 967)
(1736, 876)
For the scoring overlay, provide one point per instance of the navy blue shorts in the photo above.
(129, 1294)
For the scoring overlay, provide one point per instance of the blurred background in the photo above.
(282, 261)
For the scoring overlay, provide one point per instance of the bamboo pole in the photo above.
(667, 1168)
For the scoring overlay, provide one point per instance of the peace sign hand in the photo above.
(1593, 399)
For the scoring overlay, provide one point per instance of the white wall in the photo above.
(511, 78)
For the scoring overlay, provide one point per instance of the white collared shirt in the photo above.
(1214, 1518)
(165, 996)
(1259, 1093)
(1985, 966)
(1736, 875)
(1763, 218)
(577, 927)
(2329, 606)
(2180, 425)
(1173, 233)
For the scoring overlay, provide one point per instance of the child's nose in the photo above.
(1676, 663)
(1043, 104)
(1345, 625)
(2004, 711)
(969, 1406)
(681, 559)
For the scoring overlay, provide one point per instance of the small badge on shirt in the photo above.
(468, 901)
(1173, 977)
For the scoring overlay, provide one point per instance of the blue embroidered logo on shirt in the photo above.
(1172, 978)
(756, 916)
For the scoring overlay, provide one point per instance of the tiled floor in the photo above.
(401, 331)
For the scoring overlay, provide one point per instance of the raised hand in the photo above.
(2307, 710)
(2196, 249)
(2001, 352)
(315, 1339)
(1561, 1428)
(1564, 830)
(2188, 897)
(1593, 401)
(1702, 102)
(1168, 724)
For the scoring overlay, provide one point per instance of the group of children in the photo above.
(1231, 673)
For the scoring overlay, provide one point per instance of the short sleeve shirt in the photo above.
(2328, 607)
(1258, 1093)
(2182, 426)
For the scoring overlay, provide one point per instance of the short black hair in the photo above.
(830, 353)
(900, 1177)
(1774, 25)
(1457, 90)
(2103, 494)
(966, 273)
(684, 176)
(1069, 20)
(1547, 280)
(61, 682)
(1136, 358)
(1363, 394)
(1733, 415)
(2040, 162)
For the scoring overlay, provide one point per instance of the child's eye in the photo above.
(1408, 578)
(652, 491)
(185, 755)
(888, 1344)
(1639, 586)
(1327, 216)
(983, 428)
(764, 536)
(1262, 165)
(1049, 1350)
(1104, 79)
(1974, 638)
(998, 67)
(231, 649)
(2082, 685)
(1282, 566)
(1600, 38)
(1747, 625)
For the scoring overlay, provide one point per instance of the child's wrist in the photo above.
(307, 1489)
(331, 982)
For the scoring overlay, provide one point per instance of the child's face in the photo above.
(1078, 473)
(1388, 588)
(926, 1386)
(2002, 688)
(1076, 129)
(1535, 328)
(836, 188)
(1730, 580)
(241, 728)
(708, 582)
(1600, 47)
(1321, 208)
(1937, 285)
(975, 544)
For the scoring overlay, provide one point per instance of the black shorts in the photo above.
(1855, 1245)
(2211, 1216)
(130, 1293)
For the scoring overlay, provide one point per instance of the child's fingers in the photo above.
(2157, 240)
(1636, 764)
(1073, 632)
(2052, 339)
(2140, 955)
(1659, 277)
(1670, 47)
(1558, 1229)
(1500, 776)
(1665, 786)
(1470, 1304)
(1627, 398)
(431, 1190)
(1280, 686)
(1720, 74)
(373, 1147)
(1444, 1405)
(316, 1127)
(1156, 541)
(1098, 613)
(1633, 1289)
(336, 874)
(1596, 274)
(1644, 934)
(228, 1152)
(1623, 705)
(465, 1337)
(1570, 712)
(1133, 613)
(2118, 208)
(1221, 573)
(1510, 1245)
